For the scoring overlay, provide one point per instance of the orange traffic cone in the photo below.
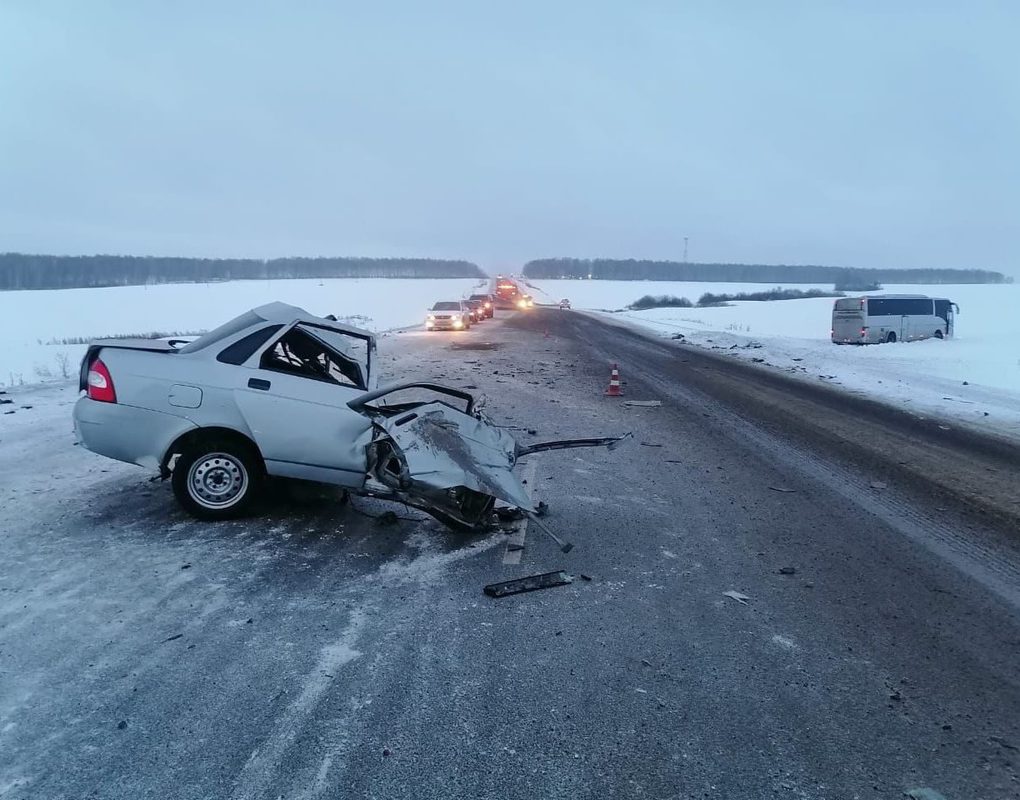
(614, 389)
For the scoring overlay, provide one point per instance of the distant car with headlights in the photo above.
(564, 304)
(525, 301)
(477, 308)
(448, 315)
(488, 303)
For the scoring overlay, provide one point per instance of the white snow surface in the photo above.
(927, 377)
(30, 321)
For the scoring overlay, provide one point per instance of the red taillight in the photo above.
(100, 384)
(864, 331)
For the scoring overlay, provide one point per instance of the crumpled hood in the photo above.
(445, 448)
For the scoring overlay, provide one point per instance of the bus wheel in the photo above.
(938, 334)
(891, 337)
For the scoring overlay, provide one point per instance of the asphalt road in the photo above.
(872, 648)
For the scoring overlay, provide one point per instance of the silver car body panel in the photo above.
(302, 426)
(126, 433)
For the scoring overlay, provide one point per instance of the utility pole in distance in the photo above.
(685, 249)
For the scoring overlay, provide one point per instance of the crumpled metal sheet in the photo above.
(445, 448)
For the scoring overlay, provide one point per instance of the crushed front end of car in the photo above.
(449, 463)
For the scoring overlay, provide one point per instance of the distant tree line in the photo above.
(633, 270)
(709, 299)
(21, 271)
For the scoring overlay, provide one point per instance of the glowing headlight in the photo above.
(458, 323)
(431, 317)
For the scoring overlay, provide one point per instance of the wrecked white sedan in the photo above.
(279, 392)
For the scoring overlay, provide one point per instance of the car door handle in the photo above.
(258, 383)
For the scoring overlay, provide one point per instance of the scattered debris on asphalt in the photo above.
(529, 584)
(475, 346)
(650, 444)
(643, 403)
(787, 570)
(740, 598)
(585, 577)
(185, 566)
(542, 509)
(513, 547)
(122, 725)
(509, 514)
(677, 336)
(172, 638)
(782, 489)
(879, 485)
(565, 547)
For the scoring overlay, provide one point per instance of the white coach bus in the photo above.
(891, 318)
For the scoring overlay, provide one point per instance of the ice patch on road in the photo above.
(431, 562)
(263, 764)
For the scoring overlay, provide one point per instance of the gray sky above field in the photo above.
(871, 134)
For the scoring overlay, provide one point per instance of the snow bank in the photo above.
(974, 377)
(30, 320)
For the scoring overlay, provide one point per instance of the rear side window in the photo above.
(241, 350)
(247, 320)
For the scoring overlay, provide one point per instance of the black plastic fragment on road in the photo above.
(476, 345)
(545, 581)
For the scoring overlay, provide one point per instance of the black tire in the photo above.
(939, 334)
(218, 479)
(891, 337)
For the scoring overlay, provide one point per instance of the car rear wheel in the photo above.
(216, 480)
(938, 334)
(891, 337)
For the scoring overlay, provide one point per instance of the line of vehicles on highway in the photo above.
(457, 315)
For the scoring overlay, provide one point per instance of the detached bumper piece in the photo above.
(545, 581)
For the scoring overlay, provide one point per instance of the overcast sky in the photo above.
(873, 134)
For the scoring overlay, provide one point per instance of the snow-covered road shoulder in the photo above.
(894, 374)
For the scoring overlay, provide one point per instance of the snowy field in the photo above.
(974, 377)
(33, 323)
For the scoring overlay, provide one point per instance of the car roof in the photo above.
(285, 314)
